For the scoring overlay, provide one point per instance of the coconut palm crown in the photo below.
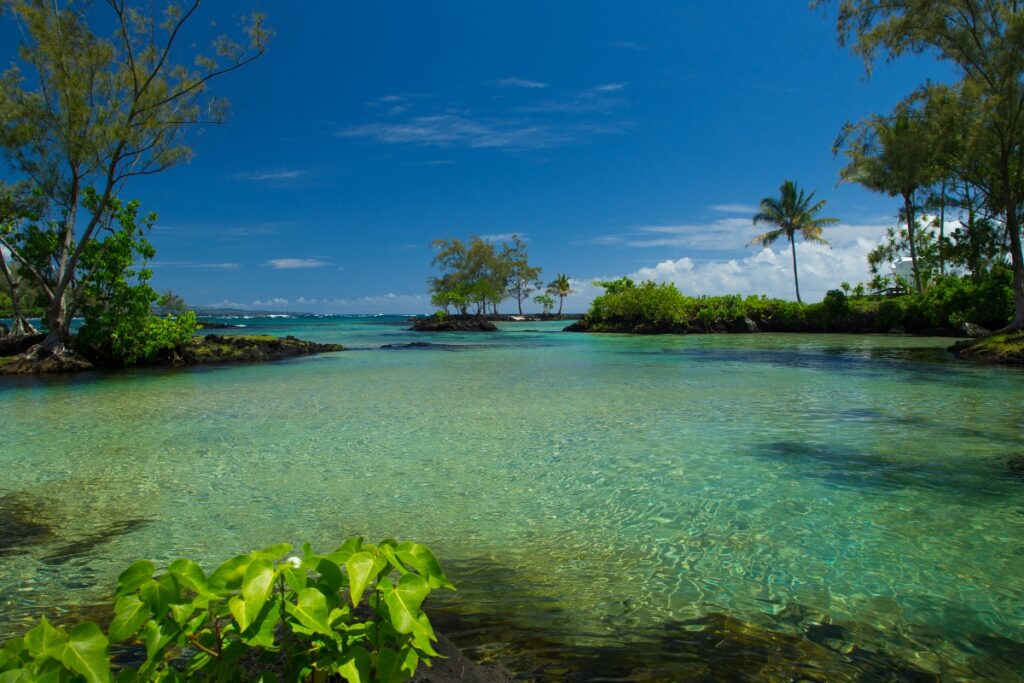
(792, 212)
(560, 287)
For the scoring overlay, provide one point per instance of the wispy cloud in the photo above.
(295, 263)
(194, 264)
(626, 45)
(264, 176)
(504, 237)
(735, 208)
(456, 130)
(553, 122)
(515, 82)
(723, 234)
(600, 98)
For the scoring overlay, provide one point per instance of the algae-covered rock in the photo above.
(244, 349)
(1006, 348)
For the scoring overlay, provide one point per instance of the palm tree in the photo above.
(792, 212)
(560, 287)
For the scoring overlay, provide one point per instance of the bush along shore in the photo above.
(200, 350)
(954, 307)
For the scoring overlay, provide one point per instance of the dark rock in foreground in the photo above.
(458, 667)
(434, 324)
(1007, 349)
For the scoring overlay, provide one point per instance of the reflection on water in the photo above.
(777, 506)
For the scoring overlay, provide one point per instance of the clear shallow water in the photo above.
(841, 501)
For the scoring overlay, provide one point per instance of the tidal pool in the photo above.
(634, 507)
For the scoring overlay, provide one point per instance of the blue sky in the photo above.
(617, 138)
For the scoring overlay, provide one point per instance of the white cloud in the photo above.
(723, 234)
(293, 263)
(610, 87)
(459, 130)
(504, 237)
(277, 303)
(736, 208)
(515, 82)
(768, 271)
(259, 176)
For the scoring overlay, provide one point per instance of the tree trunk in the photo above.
(942, 228)
(519, 303)
(1013, 227)
(796, 279)
(20, 325)
(908, 210)
(560, 300)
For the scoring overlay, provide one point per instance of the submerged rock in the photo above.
(21, 524)
(452, 325)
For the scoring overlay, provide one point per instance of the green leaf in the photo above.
(159, 594)
(190, 575)
(44, 639)
(311, 611)
(157, 635)
(296, 579)
(18, 676)
(262, 634)
(130, 613)
(273, 553)
(396, 667)
(86, 652)
(355, 665)
(256, 587)
(346, 550)
(362, 567)
(136, 575)
(229, 575)
(330, 573)
(422, 635)
(423, 561)
(404, 601)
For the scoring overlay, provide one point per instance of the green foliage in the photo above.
(117, 298)
(951, 301)
(889, 314)
(545, 301)
(355, 613)
(836, 307)
(80, 107)
(477, 274)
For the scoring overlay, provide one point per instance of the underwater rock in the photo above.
(21, 525)
(69, 551)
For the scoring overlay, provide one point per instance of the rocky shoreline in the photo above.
(1001, 349)
(204, 350)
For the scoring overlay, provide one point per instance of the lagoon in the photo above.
(828, 502)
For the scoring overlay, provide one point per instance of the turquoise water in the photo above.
(849, 502)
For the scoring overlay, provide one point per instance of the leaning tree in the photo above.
(82, 111)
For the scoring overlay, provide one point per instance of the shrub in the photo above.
(355, 613)
(889, 315)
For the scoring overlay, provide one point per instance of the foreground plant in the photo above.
(354, 613)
